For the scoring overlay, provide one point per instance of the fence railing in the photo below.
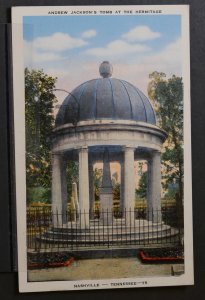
(47, 230)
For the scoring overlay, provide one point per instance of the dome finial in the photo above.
(105, 69)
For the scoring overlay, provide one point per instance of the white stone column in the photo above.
(83, 187)
(64, 194)
(122, 184)
(129, 186)
(91, 189)
(154, 188)
(59, 190)
(149, 189)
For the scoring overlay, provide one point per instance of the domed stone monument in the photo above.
(106, 120)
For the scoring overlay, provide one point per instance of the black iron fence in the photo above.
(77, 229)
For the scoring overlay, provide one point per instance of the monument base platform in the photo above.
(117, 234)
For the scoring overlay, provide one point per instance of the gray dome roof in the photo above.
(105, 98)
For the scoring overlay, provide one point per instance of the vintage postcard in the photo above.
(102, 146)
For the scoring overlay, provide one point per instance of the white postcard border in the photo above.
(19, 135)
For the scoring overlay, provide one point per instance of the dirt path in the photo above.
(105, 268)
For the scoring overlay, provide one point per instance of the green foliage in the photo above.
(39, 102)
(38, 195)
(156, 78)
(167, 97)
(172, 190)
(141, 192)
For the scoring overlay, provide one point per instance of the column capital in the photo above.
(83, 149)
(156, 152)
(128, 148)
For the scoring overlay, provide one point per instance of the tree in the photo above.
(167, 97)
(142, 188)
(39, 118)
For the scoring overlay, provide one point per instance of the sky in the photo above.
(71, 48)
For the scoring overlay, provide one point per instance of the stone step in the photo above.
(109, 235)
(138, 226)
(112, 240)
(108, 231)
(99, 230)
